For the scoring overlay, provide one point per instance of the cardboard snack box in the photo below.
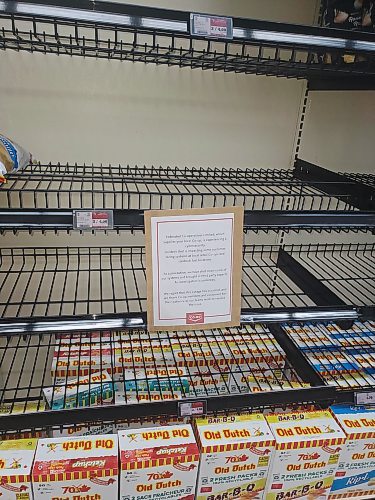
(75, 468)
(16, 459)
(355, 476)
(235, 456)
(308, 447)
(158, 463)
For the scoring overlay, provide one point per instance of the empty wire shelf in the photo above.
(148, 35)
(229, 369)
(80, 281)
(348, 270)
(368, 179)
(84, 281)
(141, 188)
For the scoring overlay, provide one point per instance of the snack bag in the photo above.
(12, 157)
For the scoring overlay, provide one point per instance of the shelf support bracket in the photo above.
(354, 193)
(317, 291)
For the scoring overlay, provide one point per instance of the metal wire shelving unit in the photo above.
(160, 36)
(84, 306)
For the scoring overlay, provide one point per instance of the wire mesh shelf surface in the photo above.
(347, 269)
(117, 187)
(144, 367)
(79, 281)
(344, 358)
(138, 44)
(368, 179)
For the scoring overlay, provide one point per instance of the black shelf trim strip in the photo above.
(348, 83)
(66, 324)
(296, 358)
(358, 195)
(62, 219)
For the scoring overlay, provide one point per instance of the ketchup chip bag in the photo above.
(12, 157)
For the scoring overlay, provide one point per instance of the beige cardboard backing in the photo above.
(237, 264)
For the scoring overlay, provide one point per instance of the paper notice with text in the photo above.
(193, 268)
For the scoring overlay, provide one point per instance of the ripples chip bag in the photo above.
(13, 157)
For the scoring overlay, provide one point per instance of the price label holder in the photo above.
(211, 26)
(365, 398)
(192, 409)
(89, 220)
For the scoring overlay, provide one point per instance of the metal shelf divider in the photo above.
(357, 193)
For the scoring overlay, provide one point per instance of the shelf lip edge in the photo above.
(64, 324)
(142, 17)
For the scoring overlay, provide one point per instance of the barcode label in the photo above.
(93, 219)
(211, 26)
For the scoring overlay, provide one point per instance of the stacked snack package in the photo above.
(355, 476)
(16, 459)
(158, 463)
(155, 367)
(308, 447)
(358, 345)
(76, 468)
(235, 456)
(83, 430)
(344, 358)
(86, 391)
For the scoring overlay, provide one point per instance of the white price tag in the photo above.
(192, 409)
(211, 26)
(365, 398)
(93, 219)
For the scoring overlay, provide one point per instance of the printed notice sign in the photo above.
(194, 266)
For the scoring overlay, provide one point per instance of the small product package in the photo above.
(308, 447)
(158, 463)
(73, 364)
(83, 430)
(95, 389)
(138, 423)
(12, 157)
(16, 459)
(355, 476)
(235, 456)
(76, 468)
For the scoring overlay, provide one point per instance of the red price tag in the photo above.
(211, 26)
(93, 219)
(195, 409)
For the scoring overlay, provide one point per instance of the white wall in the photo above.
(338, 133)
(72, 109)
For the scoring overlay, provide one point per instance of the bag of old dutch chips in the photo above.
(13, 158)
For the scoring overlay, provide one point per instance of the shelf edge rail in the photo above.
(145, 19)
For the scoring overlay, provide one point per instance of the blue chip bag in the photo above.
(13, 157)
